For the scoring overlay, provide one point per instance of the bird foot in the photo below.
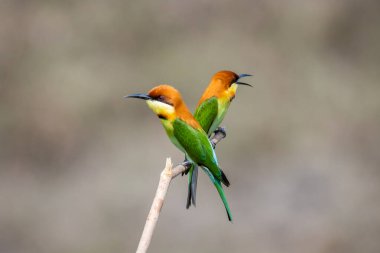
(187, 165)
(221, 130)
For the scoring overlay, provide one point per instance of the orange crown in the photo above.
(168, 94)
(219, 84)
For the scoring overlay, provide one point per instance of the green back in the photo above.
(197, 146)
(206, 113)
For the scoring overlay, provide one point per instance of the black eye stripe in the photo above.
(162, 99)
(234, 80)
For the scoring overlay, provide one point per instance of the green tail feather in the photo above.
(219, 187)
(223, 197)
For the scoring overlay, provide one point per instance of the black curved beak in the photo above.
(138, 95)
(241, 83)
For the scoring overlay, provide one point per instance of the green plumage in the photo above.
(197, 146)
(221, 192)
(209, 114)
(206, 113)
(199, 151)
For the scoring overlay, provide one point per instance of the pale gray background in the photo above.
(79, 165)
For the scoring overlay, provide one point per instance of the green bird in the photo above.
(186, 134)
(210, 112)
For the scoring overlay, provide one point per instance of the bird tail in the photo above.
(224, 179)
(219, 187)
(192, 188)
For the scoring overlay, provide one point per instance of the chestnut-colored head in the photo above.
(223, 85)
(224, 79)
(167, 103)
(166, 94)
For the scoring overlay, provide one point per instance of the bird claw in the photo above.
(187, 165)
(221, 130)
(219, 134)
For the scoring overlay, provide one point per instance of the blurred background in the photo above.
(79, 165)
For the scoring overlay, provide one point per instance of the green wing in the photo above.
(206, 113)
(197, 146)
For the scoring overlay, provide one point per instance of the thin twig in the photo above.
(166, 176)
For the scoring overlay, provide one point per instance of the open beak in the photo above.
(241, 83)
(140, 96)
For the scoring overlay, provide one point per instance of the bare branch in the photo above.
(158, 201)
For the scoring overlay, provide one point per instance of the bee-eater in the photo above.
(186, 133)
(210, 112)
(214, 103)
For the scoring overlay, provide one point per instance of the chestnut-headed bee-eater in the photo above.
(215, 100)
(186, 133)
(210, 112)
